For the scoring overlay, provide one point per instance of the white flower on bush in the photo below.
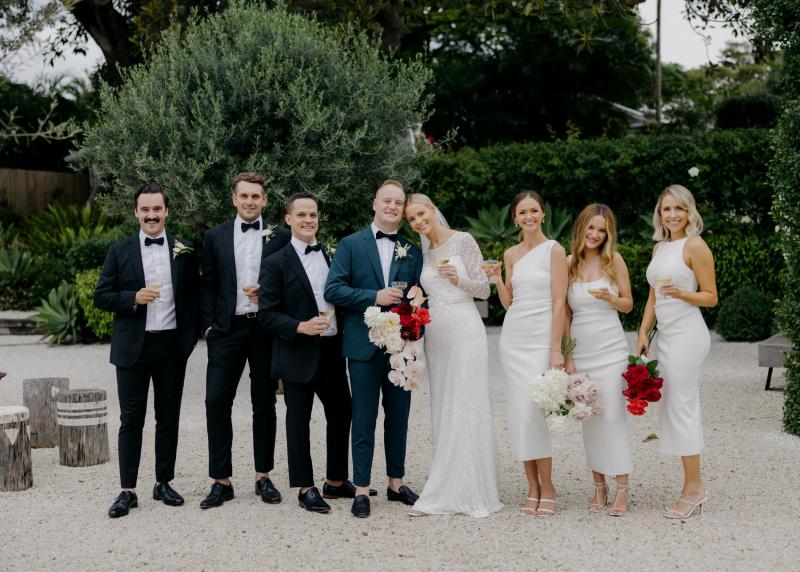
(745, 219)
(693, 172)
(548, 390)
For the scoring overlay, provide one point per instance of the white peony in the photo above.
(394, 343)
(549, 390)
(372, 316)
(581, 411)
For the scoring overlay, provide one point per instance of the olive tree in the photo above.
(312, 107)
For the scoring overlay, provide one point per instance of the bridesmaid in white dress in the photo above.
(599, 288)
(463, 473)
(681, 262)
(534, 293)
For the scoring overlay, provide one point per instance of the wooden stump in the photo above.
(82, 427)
(15, 449)
(39, 396)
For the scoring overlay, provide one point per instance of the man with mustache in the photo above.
(150, 282)
(232, 257)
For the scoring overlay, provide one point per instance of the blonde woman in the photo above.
(682, 280)
(534, 293)
(463, 473)
(599, 287)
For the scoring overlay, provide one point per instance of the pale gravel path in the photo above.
(751, 468)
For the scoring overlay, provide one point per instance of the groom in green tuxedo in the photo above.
(361, 275)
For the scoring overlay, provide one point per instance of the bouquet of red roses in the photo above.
(412, 317)
(644, 384)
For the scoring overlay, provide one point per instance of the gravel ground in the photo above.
(749, 523)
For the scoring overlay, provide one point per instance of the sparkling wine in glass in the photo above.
(399, 284)
(442, 261)
(157, 287)
(247, 290)
(662, 281)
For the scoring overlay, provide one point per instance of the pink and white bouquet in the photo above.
(560, 393)
(399, 331)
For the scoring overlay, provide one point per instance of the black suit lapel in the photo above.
(297, 267)
(135, 248)
(173, 266)
(229, 256)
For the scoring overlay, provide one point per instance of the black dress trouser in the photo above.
(246, 342)
(160, 360)
(330, 385)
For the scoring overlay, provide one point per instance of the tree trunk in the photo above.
(39, 396)
(16, 472)
(82, 425)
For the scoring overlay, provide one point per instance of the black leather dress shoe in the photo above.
(360, 506)
(404, 494)
(123, 504)
(346, 490)
(311, 500)
(218, 495)
(166, 494)
(267, 490)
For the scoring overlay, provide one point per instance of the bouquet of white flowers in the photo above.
(558, 392)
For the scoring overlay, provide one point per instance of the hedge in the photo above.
(741, 259)
(99, 322)
(625, 173)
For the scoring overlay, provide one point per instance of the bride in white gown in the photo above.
(463, 473)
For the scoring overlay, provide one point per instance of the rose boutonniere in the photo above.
(400, 251)
(268, 233)
(180, 248)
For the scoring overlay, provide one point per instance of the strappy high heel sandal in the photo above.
(528, 510)
(693, 507)
(621, 490)
(596, 507)
(546, 512)
(416, 513)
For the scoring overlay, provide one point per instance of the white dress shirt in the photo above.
(158, 270)
(317, 272)
(386, 253)
(247, 254)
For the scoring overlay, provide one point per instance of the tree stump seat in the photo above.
(16, 468)
(82, 427)
(39, 396)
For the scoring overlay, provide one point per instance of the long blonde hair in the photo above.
(607, 249)
(684, 197)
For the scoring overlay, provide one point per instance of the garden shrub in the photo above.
(25, 278)
(313, 107)
(53, 231)
(742, 111)
(99, 322)
(746, 316)
(626, 173)
(87, 253)
(57, 316)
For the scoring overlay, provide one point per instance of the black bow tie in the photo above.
(316, 248)
(148, 241)
(380, 234)
(254, 225)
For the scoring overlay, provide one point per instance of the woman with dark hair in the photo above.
(534, 294)
(599, 287)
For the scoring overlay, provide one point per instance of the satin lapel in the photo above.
(395, 266)
(297, 267)
(371, 246)
(172, 266)
(229, 256)
(136, 257)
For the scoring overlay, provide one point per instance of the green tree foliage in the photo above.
(312, 107)
(625, 173)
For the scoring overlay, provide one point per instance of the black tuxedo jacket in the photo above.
(287, 299)
(122, 276)
(218, 289)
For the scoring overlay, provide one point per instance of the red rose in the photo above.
(423, 316)
(637, 406)
(403, 308)
(651, 394)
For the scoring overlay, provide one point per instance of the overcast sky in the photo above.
(679, 44)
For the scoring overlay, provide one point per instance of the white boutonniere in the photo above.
(400, 251)
(180, 248)
(268, 233)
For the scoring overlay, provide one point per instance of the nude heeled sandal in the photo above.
(528, 510)
(621, 490)
(695, 506)
(546, 512)
(595, 507)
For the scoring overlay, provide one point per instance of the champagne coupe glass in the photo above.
(155, 286)
(399, 284)
(247, 290)
(662, 281)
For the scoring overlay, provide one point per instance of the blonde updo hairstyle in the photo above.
(684, 198)
(419, 199)
(607, 249)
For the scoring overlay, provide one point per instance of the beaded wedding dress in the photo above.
(463, 473)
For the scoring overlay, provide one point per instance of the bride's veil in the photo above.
(426, 244)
